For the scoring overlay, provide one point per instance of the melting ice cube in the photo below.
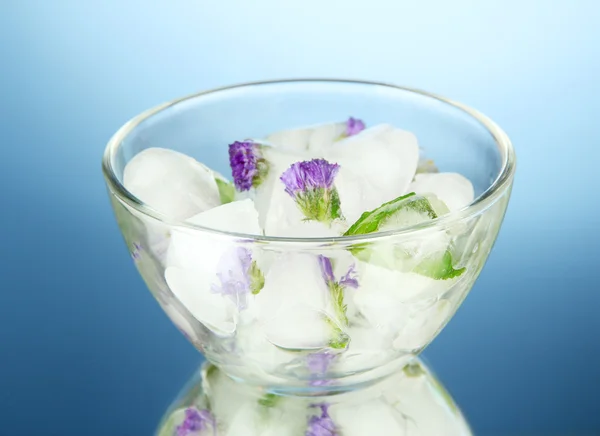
(455, 190)
(357, 194)
(172, 183)
(209, 275)
(315, 139)
(386, 157)
(295, 306)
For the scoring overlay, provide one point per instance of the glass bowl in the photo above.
(411, 281)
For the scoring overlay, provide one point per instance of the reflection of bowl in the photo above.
(296, 330)
(411, 402)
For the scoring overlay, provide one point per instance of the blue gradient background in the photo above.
(84, 349)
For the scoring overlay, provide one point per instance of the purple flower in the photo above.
(336, 288)
(248, 167)
(309, 176)
(136, 253)
(354, 126)
(318, 363)
(196, 421)
(326, 269)
(238, 276)
(349, 280)
(321, 425)
(310, 184)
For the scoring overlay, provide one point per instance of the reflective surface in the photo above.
(411, 402)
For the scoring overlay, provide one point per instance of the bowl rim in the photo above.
(497, 188)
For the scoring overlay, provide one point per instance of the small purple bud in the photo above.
(195, 421)
(321, 425)
(309, 176)
(248, 167)
(238, 276)
(136, 253)
(318, 363)
(350, 280)
(326, 269)
(310, 184)
(354, 126)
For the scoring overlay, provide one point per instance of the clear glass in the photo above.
(406, 311)
(411, 402)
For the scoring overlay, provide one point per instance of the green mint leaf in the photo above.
(439, 267)
(262, 171)
(334, 208)
(257, 278)
(399, 212)
(403, 211)
(226, 190)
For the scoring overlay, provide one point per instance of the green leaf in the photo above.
(400, 211)
(257, 278)
(320, 204)
(262, 171)
(403, 211)
(226, 190)
(269, 400)
(439, 268)
(337, 296)
(339, 340)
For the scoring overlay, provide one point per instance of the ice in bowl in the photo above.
(327, 255)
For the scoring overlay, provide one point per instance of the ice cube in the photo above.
(392, 301)
(295, 307)
(373, 418)
(294, 328)
(310, 139)
(357, 195)
(201, 251)
(238, 217)
(384, 156)
(304, 229)
(295, 279)
(171, 183)
(455, 190)
(324, 136)
(195, 260)
(193, 290)
(380, 305)
(258, 351)
(422, 324)
(400, 286)
(369, 347)
(295, 140)
(282, 212)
